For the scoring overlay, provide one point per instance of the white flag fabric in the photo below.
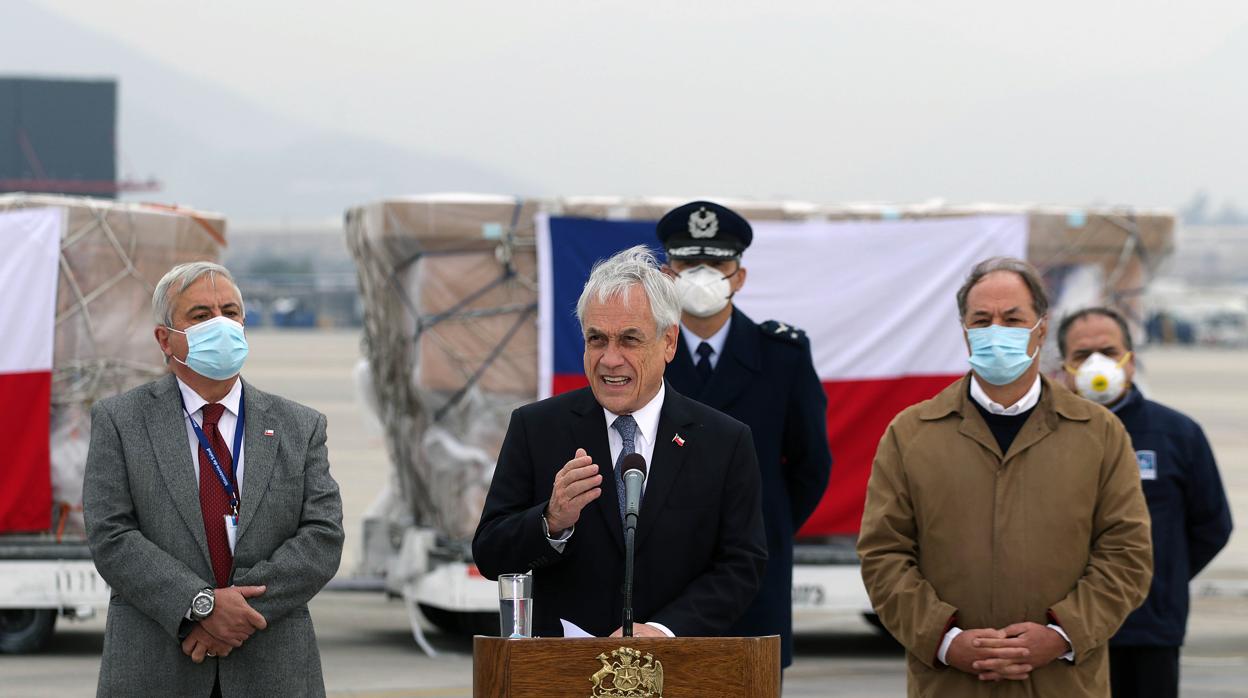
(30, 241)
(875, 297)
(30, 244)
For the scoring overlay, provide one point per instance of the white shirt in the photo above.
(229, 420)
(1028, 401)
(716, 341)
(647, 419)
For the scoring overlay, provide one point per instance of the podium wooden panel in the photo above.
(693, 667)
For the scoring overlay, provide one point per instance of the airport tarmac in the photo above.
(366, 644)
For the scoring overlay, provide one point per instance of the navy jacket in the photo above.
(766, 379)
(1191, 516)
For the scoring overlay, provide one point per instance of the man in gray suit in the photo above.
(210, 512)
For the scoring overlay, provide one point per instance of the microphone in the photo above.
(634, 466)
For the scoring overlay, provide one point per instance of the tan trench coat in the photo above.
(1057, 526)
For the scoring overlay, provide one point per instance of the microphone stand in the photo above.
(630, 531)
(634, 466)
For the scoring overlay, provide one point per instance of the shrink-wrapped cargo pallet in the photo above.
(449, 287)
(111, 256)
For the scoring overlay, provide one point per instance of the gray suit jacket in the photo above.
(141, 504)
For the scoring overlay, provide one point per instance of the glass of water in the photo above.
(515, 605)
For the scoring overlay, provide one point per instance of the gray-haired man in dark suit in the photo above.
(210, 512)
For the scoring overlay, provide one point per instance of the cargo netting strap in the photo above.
(86, 380)
(525, 316)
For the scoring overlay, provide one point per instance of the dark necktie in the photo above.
(214, 503)
(704, 362)
(627, 426)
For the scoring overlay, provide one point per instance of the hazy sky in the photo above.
(1063, 101)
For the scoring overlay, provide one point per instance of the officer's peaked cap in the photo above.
(704, 230)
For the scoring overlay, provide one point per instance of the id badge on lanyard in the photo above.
(231, 529)
(231, 519)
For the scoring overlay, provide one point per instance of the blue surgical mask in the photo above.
(216, 348)
(999, 354)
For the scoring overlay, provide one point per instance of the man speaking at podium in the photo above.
(556, 502)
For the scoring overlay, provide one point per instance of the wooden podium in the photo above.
(634, 667)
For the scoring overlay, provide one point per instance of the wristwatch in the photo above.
(202, 604)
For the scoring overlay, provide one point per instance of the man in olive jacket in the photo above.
(1005, 536)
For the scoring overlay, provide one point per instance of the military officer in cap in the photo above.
(760, 374)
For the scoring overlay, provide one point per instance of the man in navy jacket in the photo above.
(1191, 516)
(761, 374)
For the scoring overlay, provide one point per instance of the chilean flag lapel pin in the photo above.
(678, 440)
(268, 432)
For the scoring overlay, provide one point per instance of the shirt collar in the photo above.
(716, 340)
(193, 402)
(647, 417)
(1027, 402)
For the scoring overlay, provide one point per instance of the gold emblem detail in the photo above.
(703, 223)
(627, 673)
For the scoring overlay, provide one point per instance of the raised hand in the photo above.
(576, 484)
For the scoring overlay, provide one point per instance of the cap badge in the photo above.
(703, 223)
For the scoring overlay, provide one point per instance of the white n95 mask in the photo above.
(1100, 378)
(703, 291)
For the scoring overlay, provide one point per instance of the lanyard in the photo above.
(226, 483)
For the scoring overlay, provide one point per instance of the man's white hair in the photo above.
(177, 280)
(613, 277)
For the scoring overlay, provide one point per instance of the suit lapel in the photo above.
(259, 454)
(166, 426)
(666, 462)
(589, 431)
(974, 427)
(737, 366)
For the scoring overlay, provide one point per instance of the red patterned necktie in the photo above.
(213, 501)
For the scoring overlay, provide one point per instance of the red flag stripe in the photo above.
(25, 479)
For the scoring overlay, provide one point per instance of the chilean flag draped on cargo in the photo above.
(875, 297)
(31, 243)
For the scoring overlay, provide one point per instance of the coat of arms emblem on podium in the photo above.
(627, 673)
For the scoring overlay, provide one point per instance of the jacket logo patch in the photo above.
(1148, 464)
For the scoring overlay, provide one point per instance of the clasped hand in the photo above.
(1011, 653)
(231, 622)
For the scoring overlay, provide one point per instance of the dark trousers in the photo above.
(1144, 672)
